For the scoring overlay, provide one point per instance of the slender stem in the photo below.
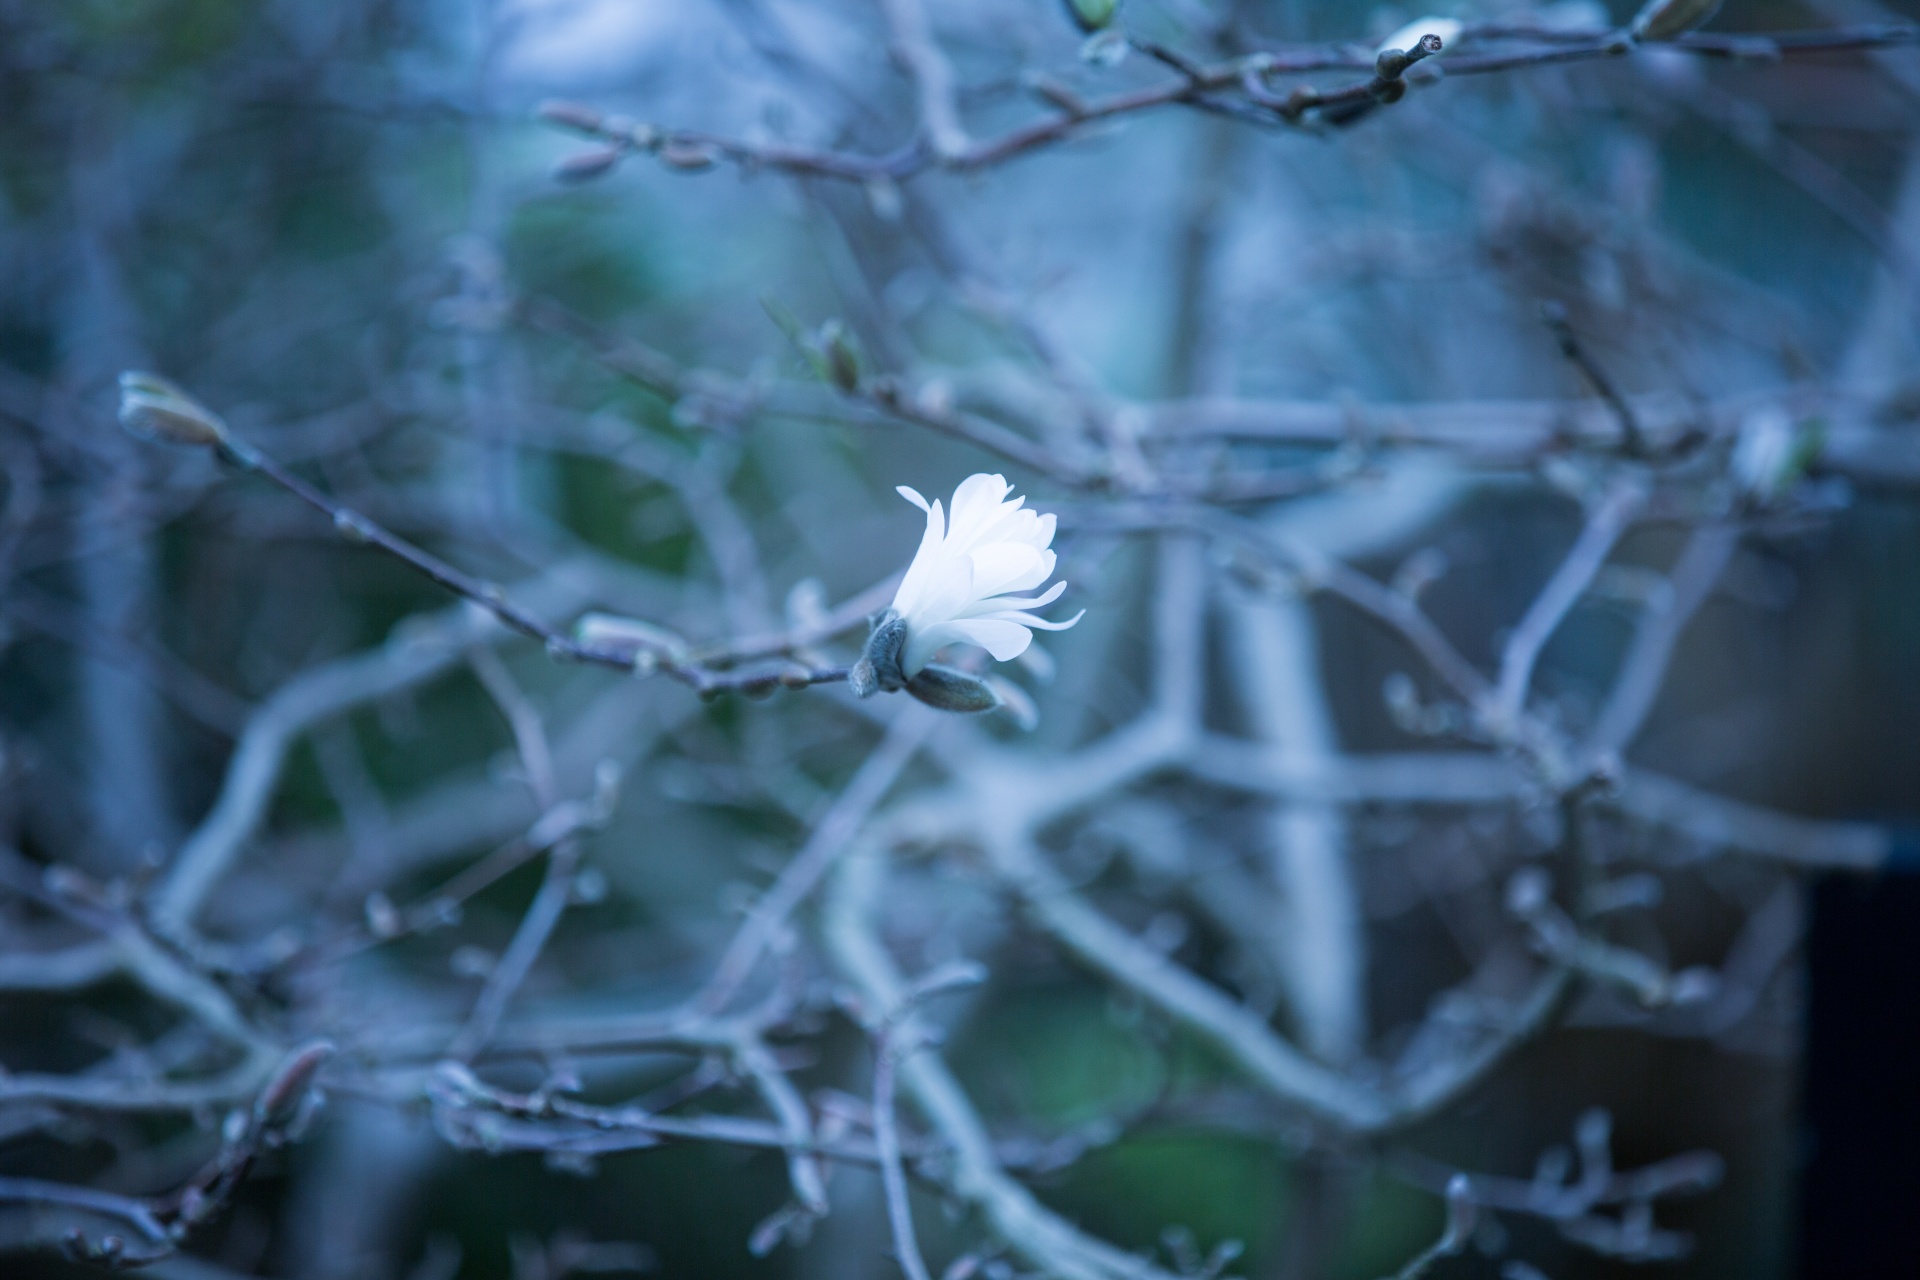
(827, 842)
(893, 1175)
(493, 598)
(1199, 86)
(1609, 520)
(1704, 559)
(1633, 440)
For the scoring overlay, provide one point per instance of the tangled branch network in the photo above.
(957, 839)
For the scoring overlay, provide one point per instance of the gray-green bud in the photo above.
(154, 408)
(949, 690)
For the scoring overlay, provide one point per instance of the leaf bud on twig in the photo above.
(156, 409)
(842, 361)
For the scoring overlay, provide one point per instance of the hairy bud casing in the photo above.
(879, 667)
(947, 689)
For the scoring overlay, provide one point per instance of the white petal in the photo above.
(912, 495)
(1035, 531)
(999, 637)
(1002, 524)
(945, 592)
(1028, 620)
(982, 489)
(1001, 567)
(976, 508)
(1005, 604)
(913, 587)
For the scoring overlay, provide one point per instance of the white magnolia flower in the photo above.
(957, 590)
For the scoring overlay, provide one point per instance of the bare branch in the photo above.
(1644, 669)
(914, 45)
(829, 840)
(1609, 520)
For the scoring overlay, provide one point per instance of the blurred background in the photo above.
(594, 375)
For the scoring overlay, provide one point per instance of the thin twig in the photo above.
(563, 860)
(1609, 520)
(914, 45)
(1694, 575)
(694, 150)
(1633, 440)
(829, 840)
(893, 1176)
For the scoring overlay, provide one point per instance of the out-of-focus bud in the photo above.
(883, 197)
(1019, 707)
(288, 1099)
(1105, 48)
(584, 166)
(1694, 985)
(642, 643)
(155, 409)
(1092, 15)
(383, 918)
(1039, 663)
(806, 605)
(1446, 30)
(1665, 19)
(843, 362)
(1402, 698)
(1593, 1134)
(1529, 891)
(947, 689)
(589, 887)
(1771, 453)
(570, 115)
(689, 156)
